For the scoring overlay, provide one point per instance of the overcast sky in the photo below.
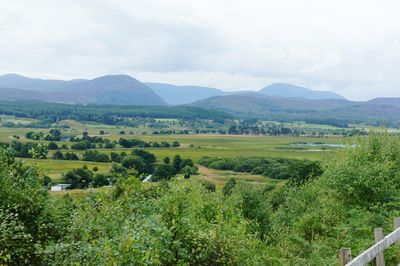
(347, 46)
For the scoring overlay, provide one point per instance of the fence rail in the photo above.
(376, 251)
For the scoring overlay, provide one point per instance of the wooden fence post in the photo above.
(380, 259)
(396, 224)
(344, 256)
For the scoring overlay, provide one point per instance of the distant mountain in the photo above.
(111, 89)
(289, 90)
(176, 95)
(394, 102)
(378, 111)
(12, 94)
(34, 84)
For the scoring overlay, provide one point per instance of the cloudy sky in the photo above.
(348, 46)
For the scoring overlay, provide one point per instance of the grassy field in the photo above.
(197, 146)
(219, 178)
(192, 146)
(55, 168)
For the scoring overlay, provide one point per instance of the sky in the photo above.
(351, 47)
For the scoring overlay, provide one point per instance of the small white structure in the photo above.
(147, 179)
(59, 187)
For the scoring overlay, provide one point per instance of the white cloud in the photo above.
(348, 46)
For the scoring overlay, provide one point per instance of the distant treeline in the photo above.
(108, 114)
(275, 168)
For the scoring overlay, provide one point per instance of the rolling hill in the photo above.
(376, 112)
(176, 95)
(289, 90)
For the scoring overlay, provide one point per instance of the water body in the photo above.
(330, 145)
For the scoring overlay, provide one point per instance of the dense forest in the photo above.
(181, 222)
(107, 114)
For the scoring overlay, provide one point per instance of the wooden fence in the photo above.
(374, 252)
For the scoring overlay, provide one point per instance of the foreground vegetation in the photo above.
(185, 222)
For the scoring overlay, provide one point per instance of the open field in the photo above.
(219, 178)
(55, 168)
(197, 146)
(193, 146)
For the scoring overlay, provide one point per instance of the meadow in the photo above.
(193, 146)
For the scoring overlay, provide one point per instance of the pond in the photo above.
(330, 145)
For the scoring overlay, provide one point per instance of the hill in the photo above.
(34, 84)
(176, 95)
(111, 89)
(285, 109)
(289, 90)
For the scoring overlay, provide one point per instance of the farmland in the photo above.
(192, 146)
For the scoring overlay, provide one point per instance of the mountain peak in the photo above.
(290, 90)
(11, 75)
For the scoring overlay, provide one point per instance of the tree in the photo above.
(83, 145)
(188, 171)
(165, 144)
(52, 146)
(100, 180)
(228, 187)
(58, 155)
(38, 152)
(71, 156)
(368, 174)
(166, 160)
(302, 171)
(163, 172)
(175, 144)
(125, 143)
(176, 163)
(186, 162)
(78, 178)
(209, 186)
(26, 221)
(46, 181)
(118, 170)
(55, 133)
(102, 157)
(29, 134)
(134, 162)
(145, 155)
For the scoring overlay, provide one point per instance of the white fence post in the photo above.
(378, 234)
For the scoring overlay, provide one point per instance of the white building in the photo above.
(59, 187)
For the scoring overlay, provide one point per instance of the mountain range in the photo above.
(378, 111)
(279, 101)
(126, 90)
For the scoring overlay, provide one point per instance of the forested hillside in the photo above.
(109, 114)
